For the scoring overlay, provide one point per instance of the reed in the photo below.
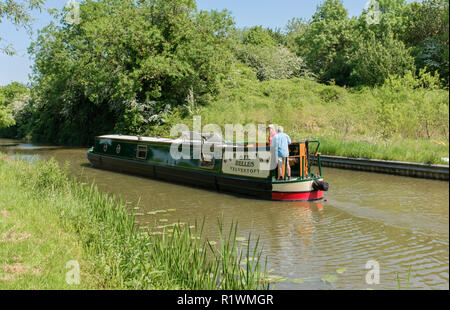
(408, 283)
(120, 255)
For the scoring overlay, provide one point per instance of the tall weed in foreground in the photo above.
(408, 283)
(186, 259)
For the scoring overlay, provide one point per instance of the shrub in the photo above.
(272, 62)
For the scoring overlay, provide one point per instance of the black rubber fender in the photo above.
(320, 185)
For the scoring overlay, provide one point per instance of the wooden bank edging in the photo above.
(418, 170)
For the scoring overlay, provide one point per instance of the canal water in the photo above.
(367, 221)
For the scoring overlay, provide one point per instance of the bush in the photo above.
(413, 106)
(272, 62)
(12, 100)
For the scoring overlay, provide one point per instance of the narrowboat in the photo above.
(241, 169)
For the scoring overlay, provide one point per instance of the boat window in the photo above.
(141, 152)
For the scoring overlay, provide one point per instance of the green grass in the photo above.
(35, 244)
(48, 220)
(420, 150)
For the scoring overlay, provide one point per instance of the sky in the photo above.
(246, 13)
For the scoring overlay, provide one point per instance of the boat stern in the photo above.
(299, 190)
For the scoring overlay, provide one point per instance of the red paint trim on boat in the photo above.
(298, 196)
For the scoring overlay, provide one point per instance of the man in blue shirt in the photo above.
(281, 143)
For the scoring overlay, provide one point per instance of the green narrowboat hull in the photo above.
(151, 157)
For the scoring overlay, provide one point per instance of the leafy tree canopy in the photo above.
(327, 42)
(152, 53)
(17, 12)
(258, 36)
(377, 59)
(12, 98)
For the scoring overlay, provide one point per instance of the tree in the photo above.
(258, 36)
(265, 51)
(421, 26)
(430, 54)
(153, 54)
(377, 59)
(391, 6)
(12, 100)
(294, 28)
(445, 40)
(17, 12)
(327, 42)
(428, 35)
(422, 21)
(272, 62)
(6, 119)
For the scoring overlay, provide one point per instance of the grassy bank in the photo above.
(47, 220)
(34, 244)
(397, 121)
(410, 150)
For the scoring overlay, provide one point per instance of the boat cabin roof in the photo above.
(136, 138)
(185, 136)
